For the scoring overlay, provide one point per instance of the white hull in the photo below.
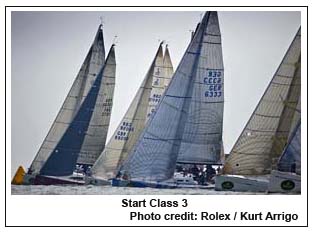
(240, 183)
(284, 182)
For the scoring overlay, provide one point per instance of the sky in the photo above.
(48, 48)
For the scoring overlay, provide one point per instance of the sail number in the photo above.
(123, 132)
(155, 98)
(107, 107)
(213, 81)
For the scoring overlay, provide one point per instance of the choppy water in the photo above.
(108, 190)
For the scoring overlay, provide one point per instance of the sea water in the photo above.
(109, 190)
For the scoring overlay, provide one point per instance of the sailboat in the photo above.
(187, 124)
(128, 131)
(260, 145)
(78, 134)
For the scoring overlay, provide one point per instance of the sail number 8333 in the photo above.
(213, 82)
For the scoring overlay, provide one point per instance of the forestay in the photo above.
(265, 135)
(86, 133)
(133, 122)
(185, 105)
(89, 70)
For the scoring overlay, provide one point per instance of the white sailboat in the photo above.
(263, 139)
(141, 108)
(78, 134)
(187, 124)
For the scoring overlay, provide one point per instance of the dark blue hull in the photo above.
(51, 180)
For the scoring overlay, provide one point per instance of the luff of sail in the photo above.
(133, 122)
(265, 135)
(158, 148)
(90, 68)
(87, 132)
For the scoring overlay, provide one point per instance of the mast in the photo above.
(86, 126)
(256, 148)
(89, 70)
(157, 150)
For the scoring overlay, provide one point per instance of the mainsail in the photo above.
(187, 124)
(133, 122)
(263, 139)
(85, 136)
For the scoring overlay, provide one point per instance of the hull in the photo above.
(54, 180)
(284, 182)
(97, 181)
(241, 183)
(160, 185)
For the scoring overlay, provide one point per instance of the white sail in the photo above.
(168, 132)
(167, 68)
(133, 122)
(89, 70)
(95, 138)
(87, 126)
(157, 84)
(265, 135)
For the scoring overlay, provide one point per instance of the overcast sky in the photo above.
(48, 49)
